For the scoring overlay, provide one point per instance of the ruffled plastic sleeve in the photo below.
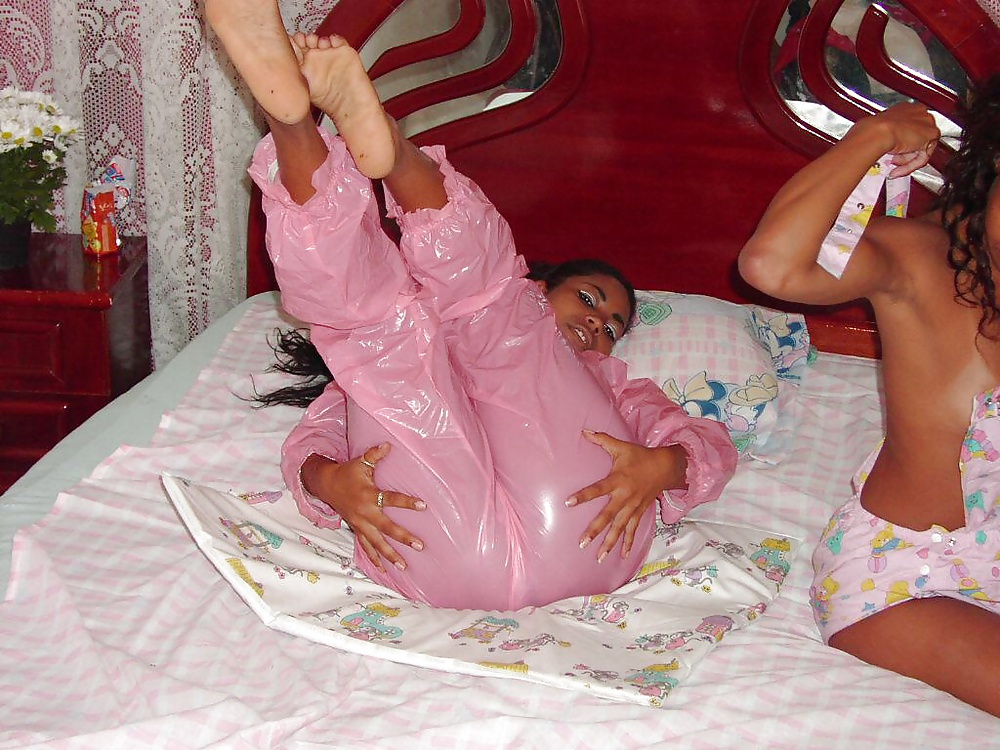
(658, 421)
(323, 431)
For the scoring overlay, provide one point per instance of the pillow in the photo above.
(737, 364)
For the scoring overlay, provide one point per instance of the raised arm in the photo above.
(780, 258)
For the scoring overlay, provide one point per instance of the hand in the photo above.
(913, 135)
(349, 488)
(638, 475)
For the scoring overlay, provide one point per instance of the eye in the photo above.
(611, 331)
(587, 298)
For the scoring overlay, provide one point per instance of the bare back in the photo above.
(934, 364)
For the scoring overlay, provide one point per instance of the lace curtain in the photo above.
(148, 83)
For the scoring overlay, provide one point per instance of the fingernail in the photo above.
(584, 542)
(420, 505)
(600, 557)
(417, 545)
(401, 565)
(571, 501)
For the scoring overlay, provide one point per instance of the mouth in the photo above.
(579, 338)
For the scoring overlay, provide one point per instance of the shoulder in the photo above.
(909, 253)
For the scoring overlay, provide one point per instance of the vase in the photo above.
(14, 241)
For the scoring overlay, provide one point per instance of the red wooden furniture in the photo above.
(74, 333)
(661, 136)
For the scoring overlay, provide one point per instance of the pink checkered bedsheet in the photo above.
(118, 632)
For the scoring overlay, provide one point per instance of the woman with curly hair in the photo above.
(907, 575)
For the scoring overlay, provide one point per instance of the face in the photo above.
(591, 311)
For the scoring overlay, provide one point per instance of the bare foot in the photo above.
(255, 39)
(340, 87)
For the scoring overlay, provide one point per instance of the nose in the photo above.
(594, 323)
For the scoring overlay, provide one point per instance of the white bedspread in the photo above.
(117, 631)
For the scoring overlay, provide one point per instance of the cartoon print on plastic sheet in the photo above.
(655, 681)
(346, 565)
(332, 618)
(700, 577)
(600, 608)
(309, 575)
(772, 557)
(518, 666)
(252, 536)
(667, 533)
(659, 568)
(755, 611)
(267, 496)
(241, 570)
(632, 645)
(528, 645)
(729, 549)
(368, 624)
(598, 675)
(714, 627)
(486, 629)
(739, 406)
(659, 643)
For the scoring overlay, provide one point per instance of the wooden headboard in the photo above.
(665, 126)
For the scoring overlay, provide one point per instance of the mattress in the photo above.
(118, 631)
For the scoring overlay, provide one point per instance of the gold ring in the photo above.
(368, 463)
(379, 499)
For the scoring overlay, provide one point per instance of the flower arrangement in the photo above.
(34, 137)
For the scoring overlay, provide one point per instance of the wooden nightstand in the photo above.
(74, 333)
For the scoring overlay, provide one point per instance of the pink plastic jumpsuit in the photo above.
(442, 348)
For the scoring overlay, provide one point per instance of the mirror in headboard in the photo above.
(651, 133)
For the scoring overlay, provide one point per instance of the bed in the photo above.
(126, 624)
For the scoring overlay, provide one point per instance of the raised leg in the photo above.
(340, 87)
(255, 39)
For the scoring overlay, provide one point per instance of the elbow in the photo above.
(756, 269)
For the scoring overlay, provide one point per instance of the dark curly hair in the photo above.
(296, 354)
(968, 177)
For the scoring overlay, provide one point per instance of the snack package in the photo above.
(100, 233)
(102, 206)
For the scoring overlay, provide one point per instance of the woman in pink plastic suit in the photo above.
(473, 410)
